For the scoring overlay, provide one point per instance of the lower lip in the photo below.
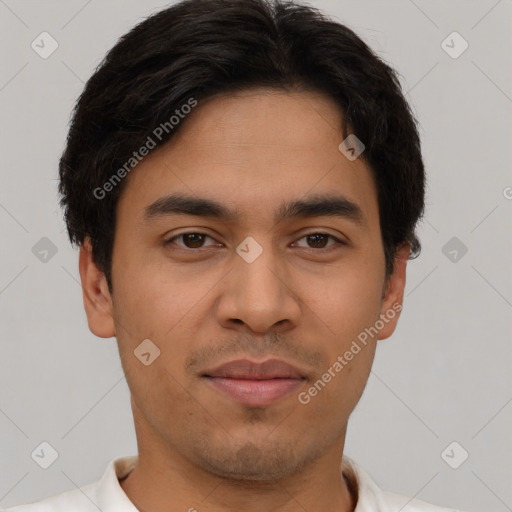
(256, 393)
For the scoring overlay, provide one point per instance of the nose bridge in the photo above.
(258, 293)
(256, 272)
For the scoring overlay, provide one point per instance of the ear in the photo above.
(394, 293)
(97, 299)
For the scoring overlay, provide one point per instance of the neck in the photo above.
(163, 481)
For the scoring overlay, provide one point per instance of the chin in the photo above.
(253, 463)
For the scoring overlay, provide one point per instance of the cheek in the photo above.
(349, 307)
(160, 394)
(335, 393)
(165, 309)
(346, 302)
(152, 300)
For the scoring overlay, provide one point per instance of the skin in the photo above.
(198, 448)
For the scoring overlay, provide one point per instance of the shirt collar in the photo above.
(111, 497)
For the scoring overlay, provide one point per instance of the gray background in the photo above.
(445, 374)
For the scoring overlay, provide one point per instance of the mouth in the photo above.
(255, 384)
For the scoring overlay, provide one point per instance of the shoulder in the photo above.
(371, 498)
(105, 494)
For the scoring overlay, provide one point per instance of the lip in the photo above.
(256, 384)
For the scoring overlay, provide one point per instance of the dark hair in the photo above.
(199, 48)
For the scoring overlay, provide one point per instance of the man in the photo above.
(243, 179)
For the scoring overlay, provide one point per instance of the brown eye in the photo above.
(191, 240)
(319, 241)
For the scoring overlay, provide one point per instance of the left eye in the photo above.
(194, 240)
(319, 239)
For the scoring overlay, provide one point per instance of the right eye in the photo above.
(191, 240)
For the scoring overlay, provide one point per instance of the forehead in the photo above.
(255, 123)
(252, 149)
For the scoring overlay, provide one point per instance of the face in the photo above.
(299, 285)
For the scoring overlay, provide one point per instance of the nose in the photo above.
(259, 295)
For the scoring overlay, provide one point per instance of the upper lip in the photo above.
(246, 369)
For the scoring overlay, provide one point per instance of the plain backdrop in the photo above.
(444, 376)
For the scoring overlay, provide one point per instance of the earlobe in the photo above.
(97, 299)
(394, 294)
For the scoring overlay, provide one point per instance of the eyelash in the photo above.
(339, 242)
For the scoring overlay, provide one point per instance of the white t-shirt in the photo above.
(107, 495)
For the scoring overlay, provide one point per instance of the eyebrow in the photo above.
(312, 206)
